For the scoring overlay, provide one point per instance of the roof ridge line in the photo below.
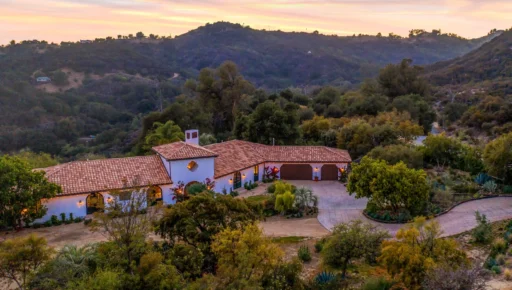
(198, 147)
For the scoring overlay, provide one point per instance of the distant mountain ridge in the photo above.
(270, 59)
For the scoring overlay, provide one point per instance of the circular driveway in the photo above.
(337, 206)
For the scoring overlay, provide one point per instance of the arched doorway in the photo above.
(187, 187)
(329, 172)
(256, 173)
(95, 202)
(154, 196)
(237, 180)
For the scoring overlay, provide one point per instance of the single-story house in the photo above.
(227, 165)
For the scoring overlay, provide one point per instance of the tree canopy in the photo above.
(389, 186)
(21, 191)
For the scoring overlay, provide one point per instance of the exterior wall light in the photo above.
(316, 168)
(80, 203)
(231, 181)
(243, 175)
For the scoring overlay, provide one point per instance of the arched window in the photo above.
(154, 195)
(95, 202)
(237, 180)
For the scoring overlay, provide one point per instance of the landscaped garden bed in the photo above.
(287, 200)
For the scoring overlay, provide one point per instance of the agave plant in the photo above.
(324, 278)
(482, 178)
(490, 186)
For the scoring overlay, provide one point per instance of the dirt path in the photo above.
(303, 227)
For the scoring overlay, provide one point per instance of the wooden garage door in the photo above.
(329, 172)
(296, 172)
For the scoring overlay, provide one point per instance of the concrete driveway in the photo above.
(337, 206)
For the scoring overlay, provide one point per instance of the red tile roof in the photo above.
(108, 174)
(237, 155)
(181, 150)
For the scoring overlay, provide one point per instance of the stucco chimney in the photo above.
(192, 136)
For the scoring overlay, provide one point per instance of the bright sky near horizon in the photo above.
(71, 20)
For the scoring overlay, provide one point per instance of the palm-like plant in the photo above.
(305, 199)
(79, 259)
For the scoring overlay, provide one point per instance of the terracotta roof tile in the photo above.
(108, 174)
(236, 155)
(181, 150)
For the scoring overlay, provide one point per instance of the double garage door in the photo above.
(305, 172)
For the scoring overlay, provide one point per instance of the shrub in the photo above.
(483, 231)
(304, 254)
(55, 220)
(507, 274)
(78, 219)
(48, 223)
(271, 188)
(499, 246)
(234, 193)
(510, 252)
(500, 259)
(319, 245)
(196, 188)
(36, 225)
(63, 217)
(470, 188)
(490, 262)
(71, 217)
(87, 221)
(507, 189)
(284, 202)
(377, 283)
(490, 186)
(496, 270)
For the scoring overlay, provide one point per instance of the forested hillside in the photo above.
(491, 62)
(101, 91)
(474, 90)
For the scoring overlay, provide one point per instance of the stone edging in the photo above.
(436, 215)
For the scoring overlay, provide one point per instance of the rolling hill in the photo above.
(270, 59)
(488, 67)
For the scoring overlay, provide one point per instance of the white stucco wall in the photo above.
(167, 194)
(77, 204)
(166, 164)
(225, 182)
(179, 171)
(65, 204)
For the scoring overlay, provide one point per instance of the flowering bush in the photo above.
(179, 192)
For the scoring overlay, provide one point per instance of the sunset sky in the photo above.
(71, 20)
